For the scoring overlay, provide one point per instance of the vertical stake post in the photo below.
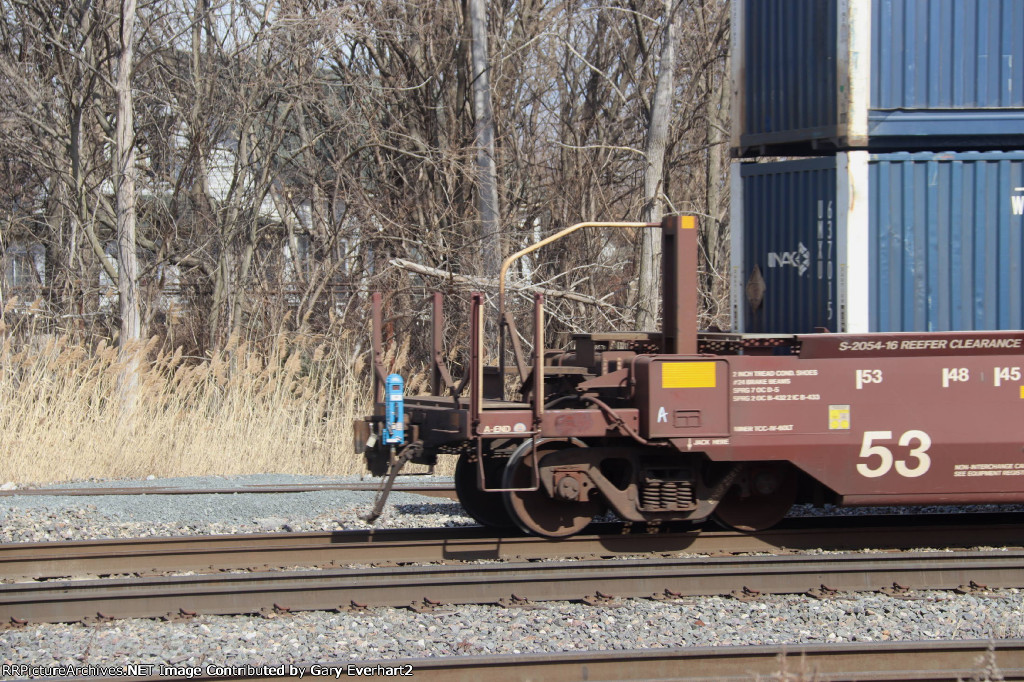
(437, 325)
(679, 284)
(476, 359)
(538, 360)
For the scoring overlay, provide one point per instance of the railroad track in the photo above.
(430, 489)
(889, 661)
(48, 560)
(428, 587)
(883, 661)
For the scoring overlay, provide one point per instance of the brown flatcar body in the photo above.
(680, 425)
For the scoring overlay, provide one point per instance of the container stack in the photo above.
(905, 208)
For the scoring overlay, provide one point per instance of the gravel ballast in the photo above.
(552, 627)
(387, 633)
(43, 518)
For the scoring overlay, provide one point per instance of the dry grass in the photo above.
(63, 416)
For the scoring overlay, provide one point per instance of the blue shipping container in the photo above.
(814, 75)
(861, 242)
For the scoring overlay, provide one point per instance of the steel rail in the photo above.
(934, 660)
(207, 553)
(429, 489)
(239, 593)
(889, 661)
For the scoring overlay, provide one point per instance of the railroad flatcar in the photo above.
(680, 424)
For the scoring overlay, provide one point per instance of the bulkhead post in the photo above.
(679, 284)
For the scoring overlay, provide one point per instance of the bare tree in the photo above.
(124, 181)
(649, 285)
(487, 173)
(288, 152)
(55, 65)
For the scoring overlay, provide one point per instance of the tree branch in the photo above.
(491, 283)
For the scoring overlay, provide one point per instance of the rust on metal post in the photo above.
(679, 284)
(379, 375)
(538, 360)
(476, 359)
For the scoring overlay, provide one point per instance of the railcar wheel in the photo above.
(760, 498)
(535, 511)
(485, 508)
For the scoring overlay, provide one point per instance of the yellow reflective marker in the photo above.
(688, 222)
(688, 375)
(1022, 392)
(839, 417)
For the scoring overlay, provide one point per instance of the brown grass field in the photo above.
(65, 417)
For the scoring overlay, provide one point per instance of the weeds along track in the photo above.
(243, 408)
(154, 556)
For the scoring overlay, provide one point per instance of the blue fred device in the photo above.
(394, 410)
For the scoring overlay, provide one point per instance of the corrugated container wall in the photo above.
(861, 242)
(785, 229)
(883, 75)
